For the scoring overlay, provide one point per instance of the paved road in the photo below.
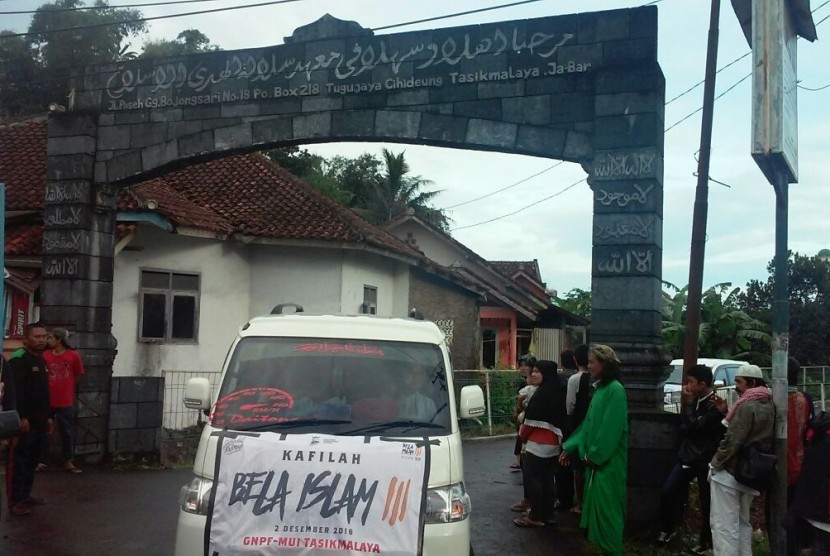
(124, 513)
(493, 489)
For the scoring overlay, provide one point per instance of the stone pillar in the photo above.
(78, 243)
(626, 176)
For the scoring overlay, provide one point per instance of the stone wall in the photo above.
(135, 415)
(444, 302)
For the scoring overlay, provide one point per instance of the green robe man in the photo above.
(601, 441)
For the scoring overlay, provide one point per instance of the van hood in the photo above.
(446, 460)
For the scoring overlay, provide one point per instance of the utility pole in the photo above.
(701, 208)
(772, 29)
(780, 351)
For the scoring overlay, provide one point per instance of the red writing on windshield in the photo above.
(252, 405)
(339, 348)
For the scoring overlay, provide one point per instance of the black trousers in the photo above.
(675, 495)
(539, 477)
(565, 486)
(20, 468)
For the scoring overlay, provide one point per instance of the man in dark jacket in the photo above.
(701, 430)
(30, 397)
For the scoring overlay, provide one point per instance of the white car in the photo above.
(339, 359)
(723, 373)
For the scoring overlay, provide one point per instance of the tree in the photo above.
(20, 78)
(377, 190)
(576, 301)
(809, 304)
(314, 169)
(189, 41)
(726, 331)
(397, 190)
(42, 62)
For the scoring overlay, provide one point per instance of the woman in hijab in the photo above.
(601, 442)
(541, 432)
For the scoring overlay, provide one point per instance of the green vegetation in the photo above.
(35, 69)
(379, 189)
(726, 331)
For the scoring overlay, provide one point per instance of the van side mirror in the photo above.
(197, 394)
(719, 384)
(472, 402)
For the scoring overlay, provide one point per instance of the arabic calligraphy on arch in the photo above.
(351, 62)
(632, 261)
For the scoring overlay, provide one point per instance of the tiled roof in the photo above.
(23, 164)
(180, 210)
(24, 240)
(244, 194)
(251, 195)
(511, 268)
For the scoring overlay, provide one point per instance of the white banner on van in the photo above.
(318, 494)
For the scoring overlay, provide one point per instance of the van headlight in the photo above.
(447, 504)
(194, 497)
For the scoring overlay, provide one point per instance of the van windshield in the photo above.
(334, 387)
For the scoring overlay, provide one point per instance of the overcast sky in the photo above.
(557, 232)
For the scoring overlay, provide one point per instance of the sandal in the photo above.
(520, 506)
(527, 522)
(576, 510)
(41, 467)
(73, 469)
(515, 466)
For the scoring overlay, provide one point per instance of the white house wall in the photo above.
(435, 248)
(367, 269)
(239, 282)
(325, 280)
(223, 303)
(308, 276)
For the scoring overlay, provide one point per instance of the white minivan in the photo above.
(345, 375)
(723, 380)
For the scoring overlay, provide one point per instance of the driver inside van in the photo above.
(414, 405)
(315, 396)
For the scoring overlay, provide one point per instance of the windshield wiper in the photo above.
(281, 425)
(380, 427)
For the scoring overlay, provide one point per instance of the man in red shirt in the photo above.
(64, 367)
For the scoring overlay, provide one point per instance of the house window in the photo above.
(169, 310)
(370, 300)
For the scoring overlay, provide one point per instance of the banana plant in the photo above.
(726, 332)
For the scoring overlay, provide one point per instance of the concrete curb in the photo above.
(486, 438)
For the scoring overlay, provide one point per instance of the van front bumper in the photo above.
(441, 539)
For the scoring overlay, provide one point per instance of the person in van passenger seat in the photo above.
(375, 401)
(414, 405)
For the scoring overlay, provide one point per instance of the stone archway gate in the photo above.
(585, 88)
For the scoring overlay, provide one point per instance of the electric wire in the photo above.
(687, 116)
(257, 5)
(699, 83)
(457, 14)
(548, 198)
(548, 169)
(109, 7)
(144, 19)
(821, 6)
(814, 88)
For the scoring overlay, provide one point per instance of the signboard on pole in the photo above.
(318, 494)
(774, 90)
